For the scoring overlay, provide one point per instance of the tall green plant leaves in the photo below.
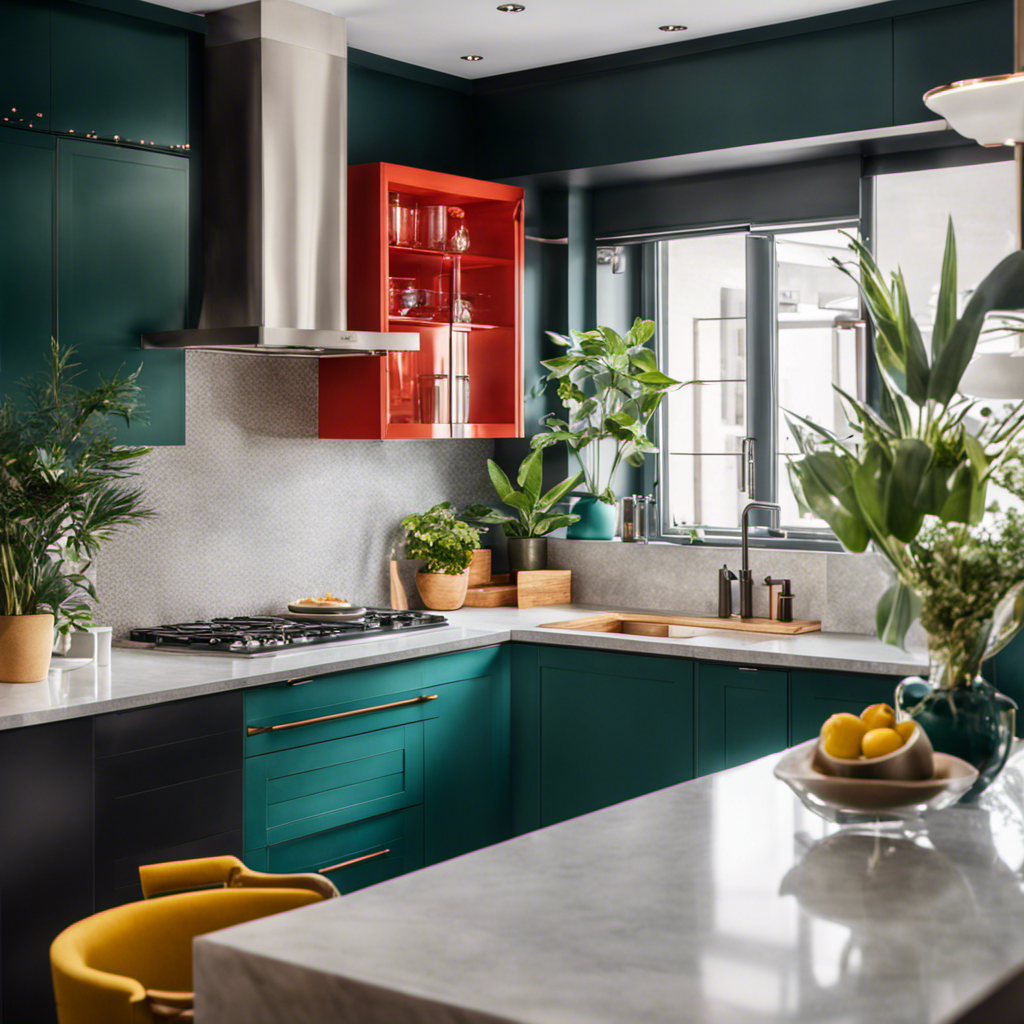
(945, 310)
(897, 609)
(1003, 288)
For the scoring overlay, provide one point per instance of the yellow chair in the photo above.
(133, 964)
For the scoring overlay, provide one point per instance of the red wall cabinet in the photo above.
(466, 380)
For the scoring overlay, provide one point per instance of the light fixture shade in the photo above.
(988, 110)
(994, 375)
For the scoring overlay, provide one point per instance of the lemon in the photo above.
(905, 730)
(878, 716)
(842, 735)
(879, 742)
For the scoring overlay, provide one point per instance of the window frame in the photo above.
(657, 474)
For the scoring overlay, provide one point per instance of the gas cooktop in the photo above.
(247, 636)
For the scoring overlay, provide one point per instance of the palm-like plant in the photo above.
(914, 459)
(63, 488)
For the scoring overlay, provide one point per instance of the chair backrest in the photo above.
(104, 965)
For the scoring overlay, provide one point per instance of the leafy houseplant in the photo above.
(611, 387)
(912, 481)
(446, 546)
(528, 529)
(63, 491)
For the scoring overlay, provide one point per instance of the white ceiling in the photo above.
(436, 33)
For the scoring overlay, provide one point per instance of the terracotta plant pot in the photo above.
(441, 592)
(26, 642)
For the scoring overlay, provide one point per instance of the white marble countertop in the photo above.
(138, 677)
(718, 901)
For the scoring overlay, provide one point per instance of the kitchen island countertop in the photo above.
(717, 901)
(138, 677)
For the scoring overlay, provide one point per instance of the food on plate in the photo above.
(327, 601)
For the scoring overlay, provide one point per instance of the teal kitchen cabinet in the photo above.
(612, 727)
(742, 714)
(123, 258)
(117, 75)
(467, 801)
(26, 253)
(25, 63)
(816, 695)
(379, 770)
(946, 45)
(1006, 672)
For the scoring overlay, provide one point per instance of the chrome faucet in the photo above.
(746, 577)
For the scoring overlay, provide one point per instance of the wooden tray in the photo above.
(534, 589)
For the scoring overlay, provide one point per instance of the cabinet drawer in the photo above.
(156, 726)
(399, 834)
(309, 789)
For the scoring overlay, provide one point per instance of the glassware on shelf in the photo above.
(460, 414)
(405, 298)
(433, 227)
(459, 238)
(401, 220)
(433, 397)
(462, 312)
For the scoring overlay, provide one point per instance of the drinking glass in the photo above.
(401, 220)
(433, 224)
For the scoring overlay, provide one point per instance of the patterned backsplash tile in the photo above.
(255, 510)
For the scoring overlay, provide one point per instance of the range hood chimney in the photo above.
(274, 170)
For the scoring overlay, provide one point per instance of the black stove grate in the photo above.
(264, 634)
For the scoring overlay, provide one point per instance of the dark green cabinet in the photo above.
(947, 45)
(123, 258)
(816, 695)
(117, 75)
(742, 714)
(26, 253)
(25, 63)
(612, 727)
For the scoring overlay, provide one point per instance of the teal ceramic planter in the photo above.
(597, 520)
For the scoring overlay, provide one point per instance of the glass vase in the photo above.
(963, 716)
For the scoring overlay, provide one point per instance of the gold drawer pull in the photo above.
(255, 730)
(354, 860)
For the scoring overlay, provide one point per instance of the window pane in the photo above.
(818, 345)
(703, 491)
(704, 339)
(911, 212)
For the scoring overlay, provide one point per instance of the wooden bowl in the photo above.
(913, 762)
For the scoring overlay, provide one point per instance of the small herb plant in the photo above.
(63, 488)
(439, 538)
(533, 517)
(611, 388)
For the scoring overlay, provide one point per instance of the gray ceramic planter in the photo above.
(527, 553)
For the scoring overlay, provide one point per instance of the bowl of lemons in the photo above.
(870, 765)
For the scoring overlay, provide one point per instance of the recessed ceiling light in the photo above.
(471, 56)
(511, 8)
(671, 28)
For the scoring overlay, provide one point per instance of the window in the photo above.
(725, 441)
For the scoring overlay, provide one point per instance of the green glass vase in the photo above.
(971, 720)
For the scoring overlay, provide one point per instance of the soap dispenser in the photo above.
(725, 578)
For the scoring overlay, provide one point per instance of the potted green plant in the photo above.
(445, 544)
(527, 530)
(63, 490)
(912, 481)
(611, 387)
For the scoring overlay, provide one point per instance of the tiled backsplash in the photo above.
(839, 589)
(255, 510)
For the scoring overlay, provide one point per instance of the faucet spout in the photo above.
(746, 576)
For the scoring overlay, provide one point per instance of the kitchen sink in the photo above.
(684, 627)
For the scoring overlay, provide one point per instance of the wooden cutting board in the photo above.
(652, 625)
(535, 589)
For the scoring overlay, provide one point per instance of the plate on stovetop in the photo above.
(341, 615)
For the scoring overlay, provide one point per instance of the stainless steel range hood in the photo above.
(274, 169)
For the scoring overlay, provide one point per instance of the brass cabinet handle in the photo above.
(354, 860)
(255, 730)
